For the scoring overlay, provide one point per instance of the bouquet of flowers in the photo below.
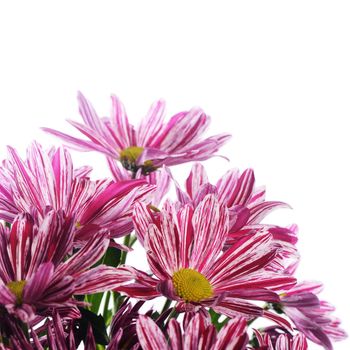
(214, 276)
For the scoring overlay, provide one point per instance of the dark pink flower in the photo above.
(123, 327)
(198, 334)
(48, 180)
(151, 144)
(184, 251)
(40, 272)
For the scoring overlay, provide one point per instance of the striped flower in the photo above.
(199, 334)
(281, 342)
(184, 251)
(310, 315)
(151, 144)
(246, 203)
(48, 180)
(39, 272)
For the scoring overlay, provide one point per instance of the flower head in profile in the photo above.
(184, 251)
(198, 334)
(311, 315)
(151, 144)
(40, 272)
(47, 179)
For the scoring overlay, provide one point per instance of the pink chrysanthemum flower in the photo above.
(48, 179)
(246, 203)
(199, 334)
(310, 315)
(38, 271)
(184, 251)
(151, 144)
(282, 342)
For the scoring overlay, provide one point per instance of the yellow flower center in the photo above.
(131, 154)
(16, 287)
(129, 157)
(78, 225)
(191, 286)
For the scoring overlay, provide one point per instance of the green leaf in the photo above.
(215, 319)
(98, 327)
(112, 257)
(95, 301)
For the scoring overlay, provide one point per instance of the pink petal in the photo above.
(150, 336)
(210, 224)
(151, 125)
(123, 130)
(196, 179)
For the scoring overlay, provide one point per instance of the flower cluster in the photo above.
(211, 267)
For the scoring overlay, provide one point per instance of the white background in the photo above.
(275, 74)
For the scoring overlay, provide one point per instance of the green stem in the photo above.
(105, 308)
(117, 301)
(166, 305)
(124, 253)
(133, 239)
(173, 314)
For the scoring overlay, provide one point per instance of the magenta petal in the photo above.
(38, 283)
(166, 288)
(6, 296)
(210, 224)
(75, 143)
(239, 216)
(123, 130)
(99, 279)
(196, 179)
(151, 125)
(149, 334)
(233, 335)
(258, 212)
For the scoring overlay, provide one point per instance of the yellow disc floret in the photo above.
(129, 157)
(191, 286)
(16, 287)
(131, 154)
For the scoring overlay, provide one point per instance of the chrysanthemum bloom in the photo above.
(48, 179)
(282, 342)
(246, 203)
(310, 315)
(199, 334)
(184, 251)
(39, 272)
(150, 145)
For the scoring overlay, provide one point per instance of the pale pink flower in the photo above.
(151, 144)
